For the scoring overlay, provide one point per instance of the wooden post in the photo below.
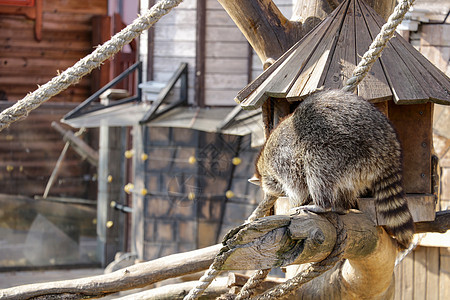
(110, 223)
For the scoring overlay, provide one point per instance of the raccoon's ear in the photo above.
(255, 180)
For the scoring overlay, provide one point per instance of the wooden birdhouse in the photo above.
(402, 84)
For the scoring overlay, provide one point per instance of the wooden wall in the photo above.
(425, 273)
(66, 37)
(29, 150)
(225, 58)
(172, 41)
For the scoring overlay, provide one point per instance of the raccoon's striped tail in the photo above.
(390, 204)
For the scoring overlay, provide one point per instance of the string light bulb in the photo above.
(128, 188)
(236, 161)
(229, 194)
(129, 153)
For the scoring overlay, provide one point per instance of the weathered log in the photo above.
(440, 224)
(136, 276)
(282, 240)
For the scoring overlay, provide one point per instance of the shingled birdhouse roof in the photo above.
(328, 54)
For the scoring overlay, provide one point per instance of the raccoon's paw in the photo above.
(310, 208)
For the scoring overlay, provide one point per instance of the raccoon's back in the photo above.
(347, 137)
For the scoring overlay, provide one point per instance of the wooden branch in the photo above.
(280, 240)
(80, 146)
(179, 290)
(441, 223)
(136, 276)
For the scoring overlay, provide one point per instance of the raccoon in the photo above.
(333, 148)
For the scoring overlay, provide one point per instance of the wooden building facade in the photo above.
(30, 148)
(40, 38)
(425, 273)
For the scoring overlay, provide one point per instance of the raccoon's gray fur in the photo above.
(334, 147)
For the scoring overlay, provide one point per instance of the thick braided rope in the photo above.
(207, 278)
(315, 269)
(214, 269)
(378, 44)
(259, 276)
(84, 66)
(252, 283)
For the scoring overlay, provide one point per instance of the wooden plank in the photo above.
(434, 35)
(432, 273)
(405, 87)
(67, 44)
(343, 61)
(224, 34)
(218, 17)
(175, 33)
(413, 124)
(444, 274)
(226, 50)
(308, 81)
(442, 79)
(46, 35)
(94, 7)
(224, 81)
(408, 277)
(264, 78)
(43, 53)
(236, 66)
(374, 87)
(420, 273)
(421, 207)
(434, 239)
(398, 274)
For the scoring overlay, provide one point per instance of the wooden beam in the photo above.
(200, 54)
(150, 47)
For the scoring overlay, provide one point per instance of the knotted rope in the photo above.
(314, 270)
(378, 44)
(84, 66)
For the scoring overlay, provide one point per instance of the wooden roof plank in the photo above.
(442, 80)
(374, 87)
(308, 80)
(259, 90)
(434, 82)
(250, 88)
(293, 68)
(403, 84)
(344, 57)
